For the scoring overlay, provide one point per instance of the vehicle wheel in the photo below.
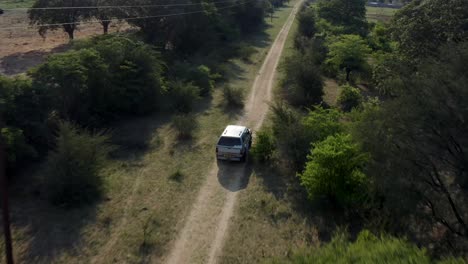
(244, 157)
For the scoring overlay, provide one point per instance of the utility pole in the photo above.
(5, 209)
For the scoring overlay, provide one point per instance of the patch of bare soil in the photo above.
(23, 48)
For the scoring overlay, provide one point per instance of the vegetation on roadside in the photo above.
(368, 248)
(389, 154)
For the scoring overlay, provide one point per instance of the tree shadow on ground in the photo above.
(22, 61)
(322, 214)
(51, 230)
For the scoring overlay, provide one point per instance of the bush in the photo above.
(184, 125)
(334, 169)
(16, 147)
(349, 98)
(234, 97)
(302, 80)
(321, 123)
(245, 52)
(200, 76)
(264, 146)
(71, 175)
(105, 77)
(183, 96)
(367, 248)
(291, 137)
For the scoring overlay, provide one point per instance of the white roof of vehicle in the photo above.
(233, 131)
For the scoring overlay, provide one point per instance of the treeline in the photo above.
(393, 152)
(58, 108)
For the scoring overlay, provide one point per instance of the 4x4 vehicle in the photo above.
(234, 143)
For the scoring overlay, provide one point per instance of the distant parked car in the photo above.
(234, 143)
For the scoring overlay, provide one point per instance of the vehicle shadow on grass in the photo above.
(234, 176)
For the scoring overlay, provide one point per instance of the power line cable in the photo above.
(110, 6)
(127, 18)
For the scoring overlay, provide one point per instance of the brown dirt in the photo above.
(21, 49)
(201, 239)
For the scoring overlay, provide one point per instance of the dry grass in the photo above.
(332, 91)
(274, 219)
(144, 207)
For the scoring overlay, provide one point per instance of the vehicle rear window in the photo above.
(229, 141)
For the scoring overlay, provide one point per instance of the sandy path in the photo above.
(202, 238)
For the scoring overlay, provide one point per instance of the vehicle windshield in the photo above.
(229, 141)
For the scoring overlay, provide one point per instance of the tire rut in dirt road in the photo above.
(202, 238)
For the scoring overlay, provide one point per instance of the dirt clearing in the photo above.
(201, 239)
(23, 48)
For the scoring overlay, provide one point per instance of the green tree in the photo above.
(321, 123)
(421, 27)
(349, 98)
(106, 15)
(350, 14)
(334, 169)
(69, 79)
(302, 80)
(51, 19)
(349, 52)
(71, 176)
(306, 22)
(418, 143)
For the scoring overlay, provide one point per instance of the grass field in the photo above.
(150, 184)
(379, 13)
(16, 3)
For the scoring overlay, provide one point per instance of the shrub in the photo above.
(245, 52)
(184, 125)
(291, 137)
(200, 76)
(321, 123)
(367, 248)
(183, 96)
(264, 146)
(71, 175)
(302, 80)
(334, 169)
(103, 78)
(349, 98)
(16, 147)
(234, 97)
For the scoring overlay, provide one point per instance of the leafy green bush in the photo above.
(184, 125)
(102, 78)
(349, 98)
(291, 137)
(334, 169)
(200, 76)
(183, 96)
(264, 146)
(367, 248)
(24, 110)
(71, 176)
(234, 97)
(302, 82)
(245, 51)
(321, 123)
(16, 147)
(348, 52)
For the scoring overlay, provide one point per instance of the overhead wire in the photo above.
(109, 6)
(127, 18)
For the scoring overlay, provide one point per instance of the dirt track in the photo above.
(202, 238)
